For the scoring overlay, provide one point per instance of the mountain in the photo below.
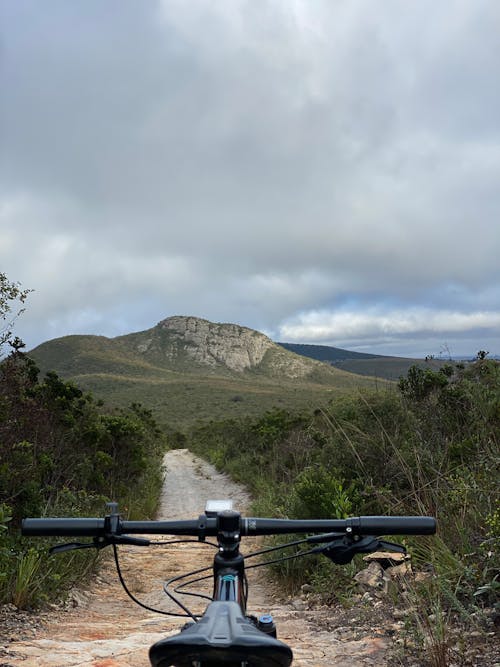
(187, 368)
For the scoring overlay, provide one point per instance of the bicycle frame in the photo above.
(225, 635)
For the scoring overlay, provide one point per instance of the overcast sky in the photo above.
(322, 171)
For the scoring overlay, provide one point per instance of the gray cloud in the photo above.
(254, 162)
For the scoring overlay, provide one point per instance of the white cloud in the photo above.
(251, 161)
(373, 323)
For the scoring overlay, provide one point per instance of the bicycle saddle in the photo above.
(222, 637)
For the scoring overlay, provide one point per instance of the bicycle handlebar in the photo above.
(208, 526)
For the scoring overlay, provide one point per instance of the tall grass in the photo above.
(26, 581)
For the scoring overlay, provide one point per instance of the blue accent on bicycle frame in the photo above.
(266, 618)
(228, 588)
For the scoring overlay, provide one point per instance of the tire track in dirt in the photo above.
(108, 630)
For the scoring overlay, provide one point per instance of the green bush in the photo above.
(318, 494)
(61, 454)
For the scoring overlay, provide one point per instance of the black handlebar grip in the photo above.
(396, 525)
(63, 527)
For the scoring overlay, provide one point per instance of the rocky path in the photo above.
(107, 629)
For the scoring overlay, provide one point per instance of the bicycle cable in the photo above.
(250, 555)
(188, 613)
(287, 545)
(170, 581)
(301, 554)
(168, 542)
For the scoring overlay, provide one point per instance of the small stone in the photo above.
(475, 633)
(398, 571)
(403, 613)
(393, 556)
(373, 577)
(298, 605)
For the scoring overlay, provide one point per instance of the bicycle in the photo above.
(224, 634)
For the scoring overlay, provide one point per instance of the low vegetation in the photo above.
(62, 454)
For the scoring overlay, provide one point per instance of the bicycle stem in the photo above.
(229, 566)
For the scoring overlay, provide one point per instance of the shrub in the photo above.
(62, 454)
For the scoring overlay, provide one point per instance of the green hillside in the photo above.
(388, 368)
(184, 376)
(180, 402)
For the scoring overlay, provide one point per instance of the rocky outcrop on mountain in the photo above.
(185, 340)
(206, 342)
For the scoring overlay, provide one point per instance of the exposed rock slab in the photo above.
(234, 346)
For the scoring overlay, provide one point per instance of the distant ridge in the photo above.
(362, 363)
(327, 353)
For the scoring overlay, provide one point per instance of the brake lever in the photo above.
(391, 546)
(100, 543)
(342, 549)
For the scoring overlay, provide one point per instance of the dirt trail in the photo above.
(108, 630)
